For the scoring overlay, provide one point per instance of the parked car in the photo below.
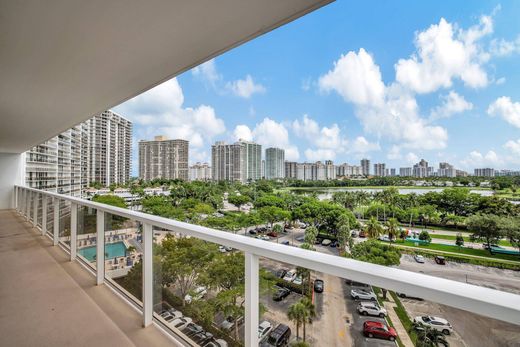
(198, 294)
(167, 316)
(300, 239)
(281, 293)
(192, 329)
(278, 337)
(356, 284)
(362, 234)
(334, 244)
(403, 295)
(253, 231)
(280, 273)
(368, 308)
(221, 249)
(175, 313)
(437, 323)
(419, 258)
(263, 329)
(202, 337)
(298, 280)
(230, 322)
(318, 286)
(290, 275)
(216, 343)
(181, 323)
(326, 242)
(384, 238)
(440, 260)
(272, 234)
(318, 241)
(362, 294)
(380, 330)
(354, 233)
(286, 242)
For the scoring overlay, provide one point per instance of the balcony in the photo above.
(64, 219)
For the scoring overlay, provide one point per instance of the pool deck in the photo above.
(46, 300)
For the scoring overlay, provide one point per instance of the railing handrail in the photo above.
(484, 301)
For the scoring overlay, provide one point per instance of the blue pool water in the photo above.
(112, 250)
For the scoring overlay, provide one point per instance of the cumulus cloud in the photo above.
(268, 133)
(412, 158)
(443, 54)
(320, 154)
(161, 111)
(207, 72)
(356, 78)
(507, 109)
(513, 146)
(245, 88)
(503, 48)
(476, 159)
(324, 137)
(452, 103)
(361, 145)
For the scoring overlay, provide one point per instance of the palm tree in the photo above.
(310, 313)
(373, 228)
(392, 228)
(296, 313)
(311, 233)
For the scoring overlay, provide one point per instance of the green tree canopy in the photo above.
(372, 251)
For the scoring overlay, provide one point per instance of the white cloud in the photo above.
(324, 137)
(476, 159)
(452, 103)
(362, 145)
(245, 88)
(412, 158)
(500, 81)
(243, 132)
(507, 109)
(268, 133)
(394, 153)
(443, 54)
(356, 78)
(207, 72)
(161, 111)
(513, 146)
(502, 48)
(320, 154)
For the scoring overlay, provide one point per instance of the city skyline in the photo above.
(357, 93)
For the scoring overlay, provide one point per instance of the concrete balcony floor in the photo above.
(46, 300)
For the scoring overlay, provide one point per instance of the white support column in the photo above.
(73, 230)
(44, 214)
(100, 242)
(251, 296)
(56, 229)
(147, 275)
(35, 209)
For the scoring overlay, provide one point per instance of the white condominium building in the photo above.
(200, 172)
(274, 163)
(380, 169)
(163, 158)
(252, 160)
(98, 149)
(365, 167)
(228, 162)
(484, 172)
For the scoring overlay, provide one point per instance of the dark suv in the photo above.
(440, 260)
(278, 337)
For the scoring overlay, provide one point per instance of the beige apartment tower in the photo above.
(163, 158)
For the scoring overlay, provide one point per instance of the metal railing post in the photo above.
(147, 275)
(27, 204)
(251, 296)
(100, 243)
(56, 229)
(44, 214)
(16, 198)
(35, 210)
(73, 230)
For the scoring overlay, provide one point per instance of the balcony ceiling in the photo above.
(63, 61)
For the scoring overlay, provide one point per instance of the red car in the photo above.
(377, 329)
(272, 234)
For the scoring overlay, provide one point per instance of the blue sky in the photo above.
(391, 81)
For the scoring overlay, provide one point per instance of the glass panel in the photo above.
(64, 228)
(203, 282)
(123, 250)
(50, 216)
(86, 240)
(40, 210)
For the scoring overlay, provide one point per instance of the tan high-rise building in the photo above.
(163, 158)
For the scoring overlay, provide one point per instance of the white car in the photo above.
(290, 275)
(167, 316)
(298, 280)
(222, 249)
(437, 323)
(371, 309)
(181, 323)
(384, 238)
(419, 258)
(263, 330)
(198, 294)
(362, 294)
(175, 313)
(326, 242)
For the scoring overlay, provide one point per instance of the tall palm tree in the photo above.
(392, 228)
(296, 313)
(310, 313)
(373, 228)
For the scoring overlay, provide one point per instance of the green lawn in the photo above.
(466, 239)
(463, 250)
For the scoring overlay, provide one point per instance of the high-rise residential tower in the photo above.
(365, 167)
(163, 158)
(380, 169)
(200, 172)
(252, 160)
(274, 163)
(228, 162)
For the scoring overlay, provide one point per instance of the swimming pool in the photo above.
(112, 250)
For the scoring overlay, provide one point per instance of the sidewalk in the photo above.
(398, 326)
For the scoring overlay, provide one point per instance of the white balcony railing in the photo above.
(484, 301)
